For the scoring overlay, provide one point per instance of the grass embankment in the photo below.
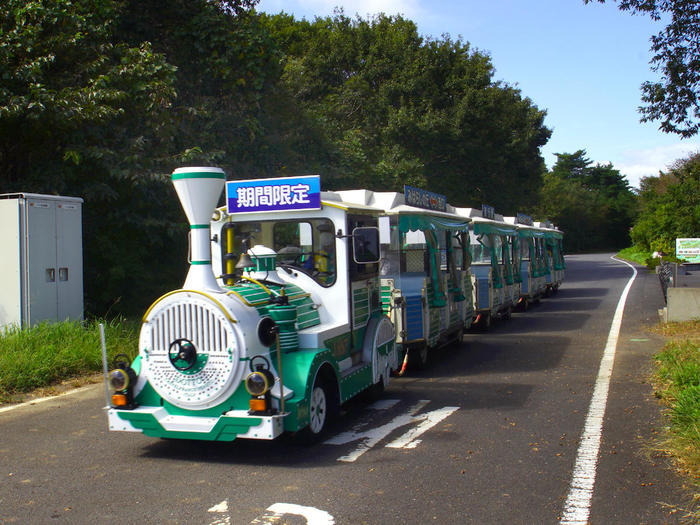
(677, 381)
(53, 353)
(634, 254)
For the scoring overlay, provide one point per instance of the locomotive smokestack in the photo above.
(199, 190)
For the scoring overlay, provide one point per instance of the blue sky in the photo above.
(584, 64)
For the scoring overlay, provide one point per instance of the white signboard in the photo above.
(688, 250)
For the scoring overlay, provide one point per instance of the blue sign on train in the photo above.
(287, 193)
(424, 199)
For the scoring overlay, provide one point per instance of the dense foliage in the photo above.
(594, 205)
(670, 207)
(385, 106)
(673, 100)
(103, 98)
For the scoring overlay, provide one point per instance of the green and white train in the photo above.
(297, 300)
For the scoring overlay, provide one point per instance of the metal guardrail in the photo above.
(668, 276)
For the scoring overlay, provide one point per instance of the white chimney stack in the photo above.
(199, 190)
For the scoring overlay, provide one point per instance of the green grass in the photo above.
(51, 353)
(634, 254)
(677, 380)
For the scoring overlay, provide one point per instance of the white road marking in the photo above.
(313, 516)
(369, 438)
(221, 508)
(408, 440)
(48, 398)
(578, 503)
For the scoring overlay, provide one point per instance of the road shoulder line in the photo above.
(578, 503)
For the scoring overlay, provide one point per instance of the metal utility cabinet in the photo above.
(41, 259)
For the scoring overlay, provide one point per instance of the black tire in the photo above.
(374, 392)
(418, 357)
(459, 337)
(484, 324)
(323, 408)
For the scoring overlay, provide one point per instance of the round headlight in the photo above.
(257, 383)
(118, 379)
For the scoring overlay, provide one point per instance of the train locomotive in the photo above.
(297, 300)
(290, 328)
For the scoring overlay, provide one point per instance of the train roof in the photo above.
(349, 200)
(410, 217)
(484, 225)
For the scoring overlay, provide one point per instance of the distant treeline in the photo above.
(103, 98)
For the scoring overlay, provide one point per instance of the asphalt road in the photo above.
(487, 433)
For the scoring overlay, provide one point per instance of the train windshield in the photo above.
(307, 246)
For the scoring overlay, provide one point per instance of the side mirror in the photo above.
(365, 245)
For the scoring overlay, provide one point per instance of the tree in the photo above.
(674, 101)
(669, 207)
(392, 107)
(102, 98)
(71, 96)
(594, 205)
(83, 113)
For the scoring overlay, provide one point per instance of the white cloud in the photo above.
(638, 163)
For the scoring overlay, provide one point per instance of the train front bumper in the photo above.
(157, 422)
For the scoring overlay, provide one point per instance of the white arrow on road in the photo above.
(371, 437)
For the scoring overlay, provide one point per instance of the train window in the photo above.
(442, 239)
(480, 247)
(390, 264)
(498, 248)
(308, 246)
(458, 252)
(359, 270)
(365, 245)
(414, 248)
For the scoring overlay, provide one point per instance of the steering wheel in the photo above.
(182, 354)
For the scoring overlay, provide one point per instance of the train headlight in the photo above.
(259, 382)
(119, 379)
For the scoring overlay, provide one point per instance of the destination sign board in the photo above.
(279, 194)
(488, 212)
(424, 199)
(524, 219)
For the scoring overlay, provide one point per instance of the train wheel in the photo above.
(376, 391)
(485, 323)
(418, 356)
(322, 409)
(318, 409)
(459, 337)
